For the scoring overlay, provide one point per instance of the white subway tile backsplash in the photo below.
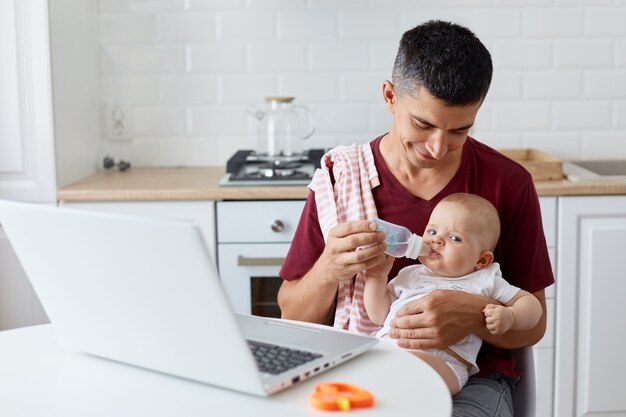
(275, 4)
(521, 54)
(180, 27)
(619, 115)
(143, 6)
(134, 89)
(605, 21)
(364, 86)
(521, 116)
(565, 145)
(215, 5)
(500, 140)
(553, 22)
(485, 22)
(338, 56)
(308, 87)
(159, 121)
(620, 53)
(382, 55)
(506, 85)
(358, 25)
(605, 84)
(277, 57)
(600, 145)
(579, 115)
(142, 59)
(341, 118)
(246, 26)
(583, 53)
(189, 90)
(553, 84)
(216, 58)
(219, 120)
(241, 89)
(129, 28)
(319, 25)
(185, 70)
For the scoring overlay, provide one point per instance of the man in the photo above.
(441, 76)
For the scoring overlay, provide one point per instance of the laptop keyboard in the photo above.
(275, 359)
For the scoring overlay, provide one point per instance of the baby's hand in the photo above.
(498, 318)
(381, 270)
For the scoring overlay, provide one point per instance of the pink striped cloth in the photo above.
(349, 199)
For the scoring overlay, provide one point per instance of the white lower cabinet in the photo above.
(200, 212)
(543, 352)
(590, 311)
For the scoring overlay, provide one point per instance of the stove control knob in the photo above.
(278, 226)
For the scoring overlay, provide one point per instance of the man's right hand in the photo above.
(341, 260)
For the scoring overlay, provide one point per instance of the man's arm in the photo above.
(444, 317)
(311, 297)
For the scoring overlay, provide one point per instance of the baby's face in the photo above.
(455, 242)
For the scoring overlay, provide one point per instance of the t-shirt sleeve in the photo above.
(307, 244)
(502, 290)
(522, 251)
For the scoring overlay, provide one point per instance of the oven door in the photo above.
(249, 273)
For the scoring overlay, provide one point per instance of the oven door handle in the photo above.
(246, 261)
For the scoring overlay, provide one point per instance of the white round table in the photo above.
(38, 378)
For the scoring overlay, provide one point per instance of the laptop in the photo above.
(145, 292)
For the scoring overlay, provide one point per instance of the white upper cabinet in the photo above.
(27, 164)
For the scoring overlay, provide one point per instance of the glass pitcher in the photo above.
(282, 126)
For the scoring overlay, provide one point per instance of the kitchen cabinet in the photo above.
(589, 369)
(49, 120)
(200, 212)
(543, 351)
(27, 165)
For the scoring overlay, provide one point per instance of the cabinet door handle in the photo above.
(245, 261)
(278, 226)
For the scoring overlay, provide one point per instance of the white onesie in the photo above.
(415, 281)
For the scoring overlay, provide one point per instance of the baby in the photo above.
(462, 233)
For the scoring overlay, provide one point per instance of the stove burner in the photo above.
(279, 168)
(247, 166)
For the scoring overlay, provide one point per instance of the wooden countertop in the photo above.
(153, 184)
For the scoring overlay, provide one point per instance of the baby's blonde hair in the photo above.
(485, 215)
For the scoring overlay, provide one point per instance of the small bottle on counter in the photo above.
(400, 241)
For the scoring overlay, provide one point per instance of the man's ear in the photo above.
(486, 259)
(389, 95)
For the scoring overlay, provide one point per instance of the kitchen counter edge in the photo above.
(202, 183)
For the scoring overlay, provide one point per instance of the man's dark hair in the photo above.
(446, 59)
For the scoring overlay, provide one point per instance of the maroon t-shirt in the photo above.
(521, 250)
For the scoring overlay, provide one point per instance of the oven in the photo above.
(253, 238)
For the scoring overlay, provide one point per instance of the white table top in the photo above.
(38, 378)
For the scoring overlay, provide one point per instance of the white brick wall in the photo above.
(185, 70)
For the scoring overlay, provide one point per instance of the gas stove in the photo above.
(250, 168)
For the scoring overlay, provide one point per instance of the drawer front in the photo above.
(257, 221)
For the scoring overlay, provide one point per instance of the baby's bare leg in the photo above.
(449, 377)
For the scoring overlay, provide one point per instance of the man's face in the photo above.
(428, 129)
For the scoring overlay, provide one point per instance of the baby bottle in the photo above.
(400, 241)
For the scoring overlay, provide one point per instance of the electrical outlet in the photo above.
(118, 122)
